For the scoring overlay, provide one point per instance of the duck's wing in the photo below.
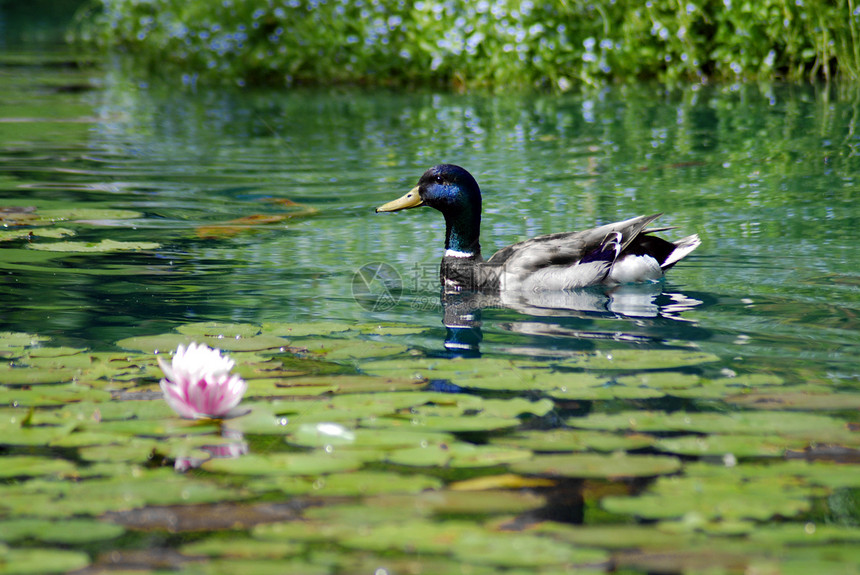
(572, 259)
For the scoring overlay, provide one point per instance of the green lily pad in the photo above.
(448, 503)
(451, 423)
(244, 548)
(32, 466)
(75, 214)
(91, 497)
(797, 400)
(615, 536)
(820, 473)
(296, 330)
(36, 376)
(35, 560)
(389, 329)
(169, 342)
(11, 341)
(348, 383)
(219, 329)
(137, 450)
(71, 531)
(591, 465)
(711, 498)
(42, 396)
(607, 392)
(804, 534)
(13, 432)
(285, 464)
(24, 234)
(457, 455)
(354, 483)
(472, 544)
(737, 445)
(325, 434)
(54, 351)
(774, 422)
(94, 247)
(639, 359)
(558, 440)
(344, 349)
(256, 566)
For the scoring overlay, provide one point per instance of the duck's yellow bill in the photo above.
(412, 199)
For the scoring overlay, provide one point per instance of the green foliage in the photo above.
(553, 43)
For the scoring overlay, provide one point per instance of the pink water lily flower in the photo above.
(198, 383)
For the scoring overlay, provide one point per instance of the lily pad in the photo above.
(11, 341)
(558, 440)
(457, 455)
(244, 548)
(32, 466)
(24, 234)
(354, 483)
(35, 560)
(775, 422)
(94, 247)
(716, 498)
(42, 396)
(219, 329)
(639, 359)
(304, 329)
(97, 214)
(448, 503)
(70, 531)
(344, 349)
(590, 465)
(284, 464)
(737, 445)
(326, 434)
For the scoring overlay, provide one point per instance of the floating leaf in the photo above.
(304, 329)
(93, 214)
(555, 440)
(589, 465)
(284, 464)
(355, 483)
(34, 560)
(219, 329)
(24, 234)
(341, 349)
(50, 395)
(71, 531)
(11, 341)
(94, 247)
(32, 466)
(448, 503)
(715, 498)
(244, 548)
(737, 445)
(775, 422)
(639, 359)
(457, 455)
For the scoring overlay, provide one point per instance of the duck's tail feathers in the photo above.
(683, 247)
(608, 250)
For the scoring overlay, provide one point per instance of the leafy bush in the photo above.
(498, 43)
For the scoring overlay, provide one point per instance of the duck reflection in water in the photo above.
(542, 275)
(651, 313)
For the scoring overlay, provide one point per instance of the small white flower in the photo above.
(198, 383)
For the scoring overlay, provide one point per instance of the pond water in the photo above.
(706, 423)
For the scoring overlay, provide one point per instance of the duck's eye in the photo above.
(439, 180)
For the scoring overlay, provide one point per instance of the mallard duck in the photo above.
(619, 253)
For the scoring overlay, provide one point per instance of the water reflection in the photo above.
(638, 303)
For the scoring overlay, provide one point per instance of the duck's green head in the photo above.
(454, 192)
